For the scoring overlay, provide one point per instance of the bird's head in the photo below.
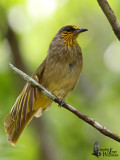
(69, 34)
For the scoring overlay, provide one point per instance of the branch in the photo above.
(85, 118)
(110, 16)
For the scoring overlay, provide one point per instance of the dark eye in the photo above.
(69, 29)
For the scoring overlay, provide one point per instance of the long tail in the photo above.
(29, 102)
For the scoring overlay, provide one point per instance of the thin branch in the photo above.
(90, 121)
(110, 16)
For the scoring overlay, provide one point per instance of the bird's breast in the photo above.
(61, 74)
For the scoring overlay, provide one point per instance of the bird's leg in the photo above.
(62, 101)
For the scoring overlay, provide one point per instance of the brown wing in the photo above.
(26, 106)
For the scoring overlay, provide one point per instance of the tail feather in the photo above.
(25, 108)
(12, 130)
(20, 115)
(30, 102)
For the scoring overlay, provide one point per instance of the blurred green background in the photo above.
(26, 29)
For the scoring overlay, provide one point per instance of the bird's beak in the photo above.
(79, 30)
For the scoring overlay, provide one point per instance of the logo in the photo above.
(105, 152)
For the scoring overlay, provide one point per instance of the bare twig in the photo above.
(90, 121)
(110, 16)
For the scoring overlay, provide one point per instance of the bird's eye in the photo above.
(69, 29)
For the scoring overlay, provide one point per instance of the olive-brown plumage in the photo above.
(59, 73)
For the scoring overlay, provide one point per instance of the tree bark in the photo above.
(110, 16)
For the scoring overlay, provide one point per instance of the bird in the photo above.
(58, 73)
(96, 150)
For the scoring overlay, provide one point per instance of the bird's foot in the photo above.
(62, 101)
